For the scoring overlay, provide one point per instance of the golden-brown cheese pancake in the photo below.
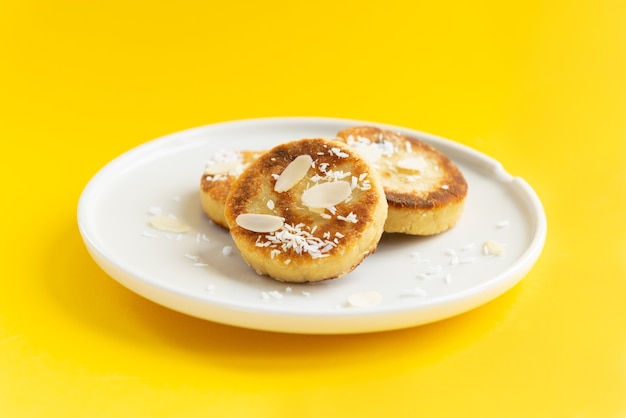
(220, 172)
(425, 190)
(306, 211)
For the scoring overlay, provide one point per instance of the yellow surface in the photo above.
(538, 85)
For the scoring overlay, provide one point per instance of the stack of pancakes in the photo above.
(313, 209)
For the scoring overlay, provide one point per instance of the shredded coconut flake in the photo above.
(154, 210)
(176, 237)
(338, 152)
(192, 257)
(222, 164)
(351, 217)
(434, 269)
(220, 168)
(354, 183)
(371, 151)
(502, 224)
(416, 292)
(296, 239)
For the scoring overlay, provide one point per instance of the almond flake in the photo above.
(413, 164)
(293, 173)
(325, 195)
(166, 223)
(365, 299)
(220, 168)
(491, 248)
(257, 222)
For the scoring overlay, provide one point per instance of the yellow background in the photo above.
(538, 85)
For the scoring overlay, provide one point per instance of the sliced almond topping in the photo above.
(258, 222)
(492, 248)
(325, 195)
(365, 299)
(413, 164)
(166, 223)
(293, 173)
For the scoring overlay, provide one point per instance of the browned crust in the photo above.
(217, 190)
(256, 181)
(447, 192)
(435, 197)
(255, 186)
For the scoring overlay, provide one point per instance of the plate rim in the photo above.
(489, 290)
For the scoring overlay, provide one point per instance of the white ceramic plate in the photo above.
(420, 279)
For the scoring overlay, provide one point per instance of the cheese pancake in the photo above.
(220, 172)
(425, 190)
(307, 210)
